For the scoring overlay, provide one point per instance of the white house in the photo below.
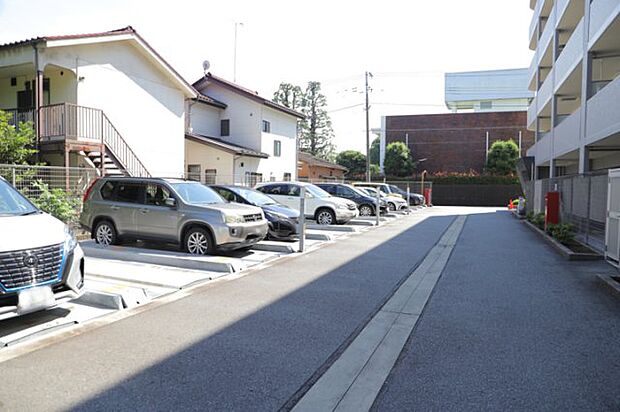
(104, 93)
(236, 136)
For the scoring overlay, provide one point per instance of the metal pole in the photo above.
(13, 176)
(408, 195)
(367, 130)
(486, 152)
(422, 184)
(589, 200)
(520, 138)
(378, 208)
(302, 218)
(235, 54)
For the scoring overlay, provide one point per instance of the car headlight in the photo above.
(70, 240)
(233, 219)
(275, 215)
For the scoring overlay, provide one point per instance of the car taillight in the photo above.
(90, 188)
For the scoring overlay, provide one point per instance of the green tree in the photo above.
(374, 151)
(398, 161)
(16, 143)
(353, 160)
(316, 131)
(289, 95)
(502, 157)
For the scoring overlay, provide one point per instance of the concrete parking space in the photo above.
(136, 273)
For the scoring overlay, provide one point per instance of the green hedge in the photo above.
(474, 180)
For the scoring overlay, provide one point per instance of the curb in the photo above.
(560, 248)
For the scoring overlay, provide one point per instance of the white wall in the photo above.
(205, 119)
(244, 114)
(283, 128)
(210, 158)
(144, 105)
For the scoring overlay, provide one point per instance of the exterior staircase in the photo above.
(89, 132)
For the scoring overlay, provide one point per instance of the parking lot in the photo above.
(119, 278)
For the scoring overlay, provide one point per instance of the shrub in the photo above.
(502, 157)
(398, 161)
(562, 232)
(539, 220)
(55, 201)
(353, 160)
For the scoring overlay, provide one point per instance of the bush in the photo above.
(353, 160)
(16, 143)
(502, 158)
(471, 178)
(562, 232)
(538, 220)
(56, 202)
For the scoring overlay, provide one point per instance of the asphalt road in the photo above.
(511, 326)
(247, 344)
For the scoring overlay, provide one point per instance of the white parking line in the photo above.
(353, 382)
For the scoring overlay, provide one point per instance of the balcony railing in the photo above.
(17, 116)
(68, 122)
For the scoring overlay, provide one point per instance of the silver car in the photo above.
(169, 210)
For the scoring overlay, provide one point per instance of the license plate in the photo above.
(34, 299)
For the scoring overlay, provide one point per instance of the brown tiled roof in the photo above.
(246, 92)
(209, 100)
(226, 146)
(124, 30)
(315, 161)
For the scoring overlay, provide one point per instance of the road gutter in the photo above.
(353, 382)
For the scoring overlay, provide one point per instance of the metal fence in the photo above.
(31, 180)
(583, 203)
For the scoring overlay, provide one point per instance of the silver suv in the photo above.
(169, 210)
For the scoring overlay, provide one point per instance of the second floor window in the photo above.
(277, 148)
(266, 126)
(225, 127)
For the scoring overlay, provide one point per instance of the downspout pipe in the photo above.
(38, 97)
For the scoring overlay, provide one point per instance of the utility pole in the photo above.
(368, 74)
(235, 54)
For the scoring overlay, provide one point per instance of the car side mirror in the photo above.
(309, 195)
(170, 202)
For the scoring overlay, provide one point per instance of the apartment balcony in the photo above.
(531, 74)
(603, 116)
(566, 133)
(602, 14)
(545, 93)
(571, 56)
(547, 35)
(532, 112)
(539, 7)
(544, 148)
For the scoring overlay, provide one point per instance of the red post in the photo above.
(552, 208)
(428, 196)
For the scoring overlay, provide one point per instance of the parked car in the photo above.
(320, 205)
(41, 263)
(384, 187)
(282, 219)
(169, 210)
(365, 204)
(393, 202)
(415, 199)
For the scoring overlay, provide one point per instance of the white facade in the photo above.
(246, 114)
(488, 91)
(575, 74)
(143, 98)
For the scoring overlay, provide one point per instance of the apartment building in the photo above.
(574, 73)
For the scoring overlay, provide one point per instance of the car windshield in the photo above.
(357, 190)
(255, 197)
(316, 191)
(197, 193)
(14, 203)
(397, 189)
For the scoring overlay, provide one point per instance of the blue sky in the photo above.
(407, 44)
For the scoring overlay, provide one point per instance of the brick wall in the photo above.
(456, 142)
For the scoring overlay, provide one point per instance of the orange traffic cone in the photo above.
(510, 204)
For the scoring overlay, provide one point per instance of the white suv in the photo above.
(41, 263)
(320, 205)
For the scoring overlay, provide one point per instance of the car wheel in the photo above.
(105, 233)
(366, 210)
(391, 207)
(198, 242)
(325, 217)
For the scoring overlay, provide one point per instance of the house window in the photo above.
(252, 178)
(225, 127)
(287, 177)
(211, 176)
(193, 172)
(266, 126)
(486, 105)
(277, 148)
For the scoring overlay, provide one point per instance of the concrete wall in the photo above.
(475, 195)
(205, 119)
(284, 129)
